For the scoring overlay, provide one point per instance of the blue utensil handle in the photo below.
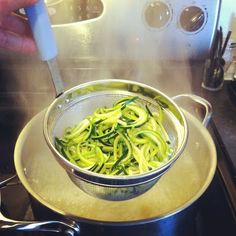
(42, 30)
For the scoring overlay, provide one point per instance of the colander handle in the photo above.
(43, 34)
(42, 31)
(199, 100)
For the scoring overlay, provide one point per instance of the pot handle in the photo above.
(68, 227)
(199, 100)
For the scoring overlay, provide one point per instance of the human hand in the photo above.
(15, 32)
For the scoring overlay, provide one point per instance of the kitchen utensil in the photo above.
(219, 52)
(77, 103)
(225, 43)
(82, 101)
(44, 37)
(213, 76)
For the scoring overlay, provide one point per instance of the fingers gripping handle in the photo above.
(42, 31)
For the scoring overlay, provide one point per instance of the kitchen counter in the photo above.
(224, 110)
(223, 126)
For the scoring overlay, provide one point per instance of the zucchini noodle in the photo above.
(126, 139)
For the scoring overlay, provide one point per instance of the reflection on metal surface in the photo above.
(52, 2)
(192, 19)
(157, 14)
(70, 11)
(64, 12)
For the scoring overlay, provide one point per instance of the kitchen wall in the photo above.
(228, 17)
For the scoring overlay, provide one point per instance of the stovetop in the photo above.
(19, 101)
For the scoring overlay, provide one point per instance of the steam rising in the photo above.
(118, 44)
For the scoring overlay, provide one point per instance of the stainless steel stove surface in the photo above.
(147, 29)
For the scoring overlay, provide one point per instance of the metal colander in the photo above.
(75, 104)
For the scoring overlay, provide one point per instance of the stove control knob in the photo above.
(192, 19)
(157, 14)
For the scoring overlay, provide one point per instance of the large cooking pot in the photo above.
(166, 209)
